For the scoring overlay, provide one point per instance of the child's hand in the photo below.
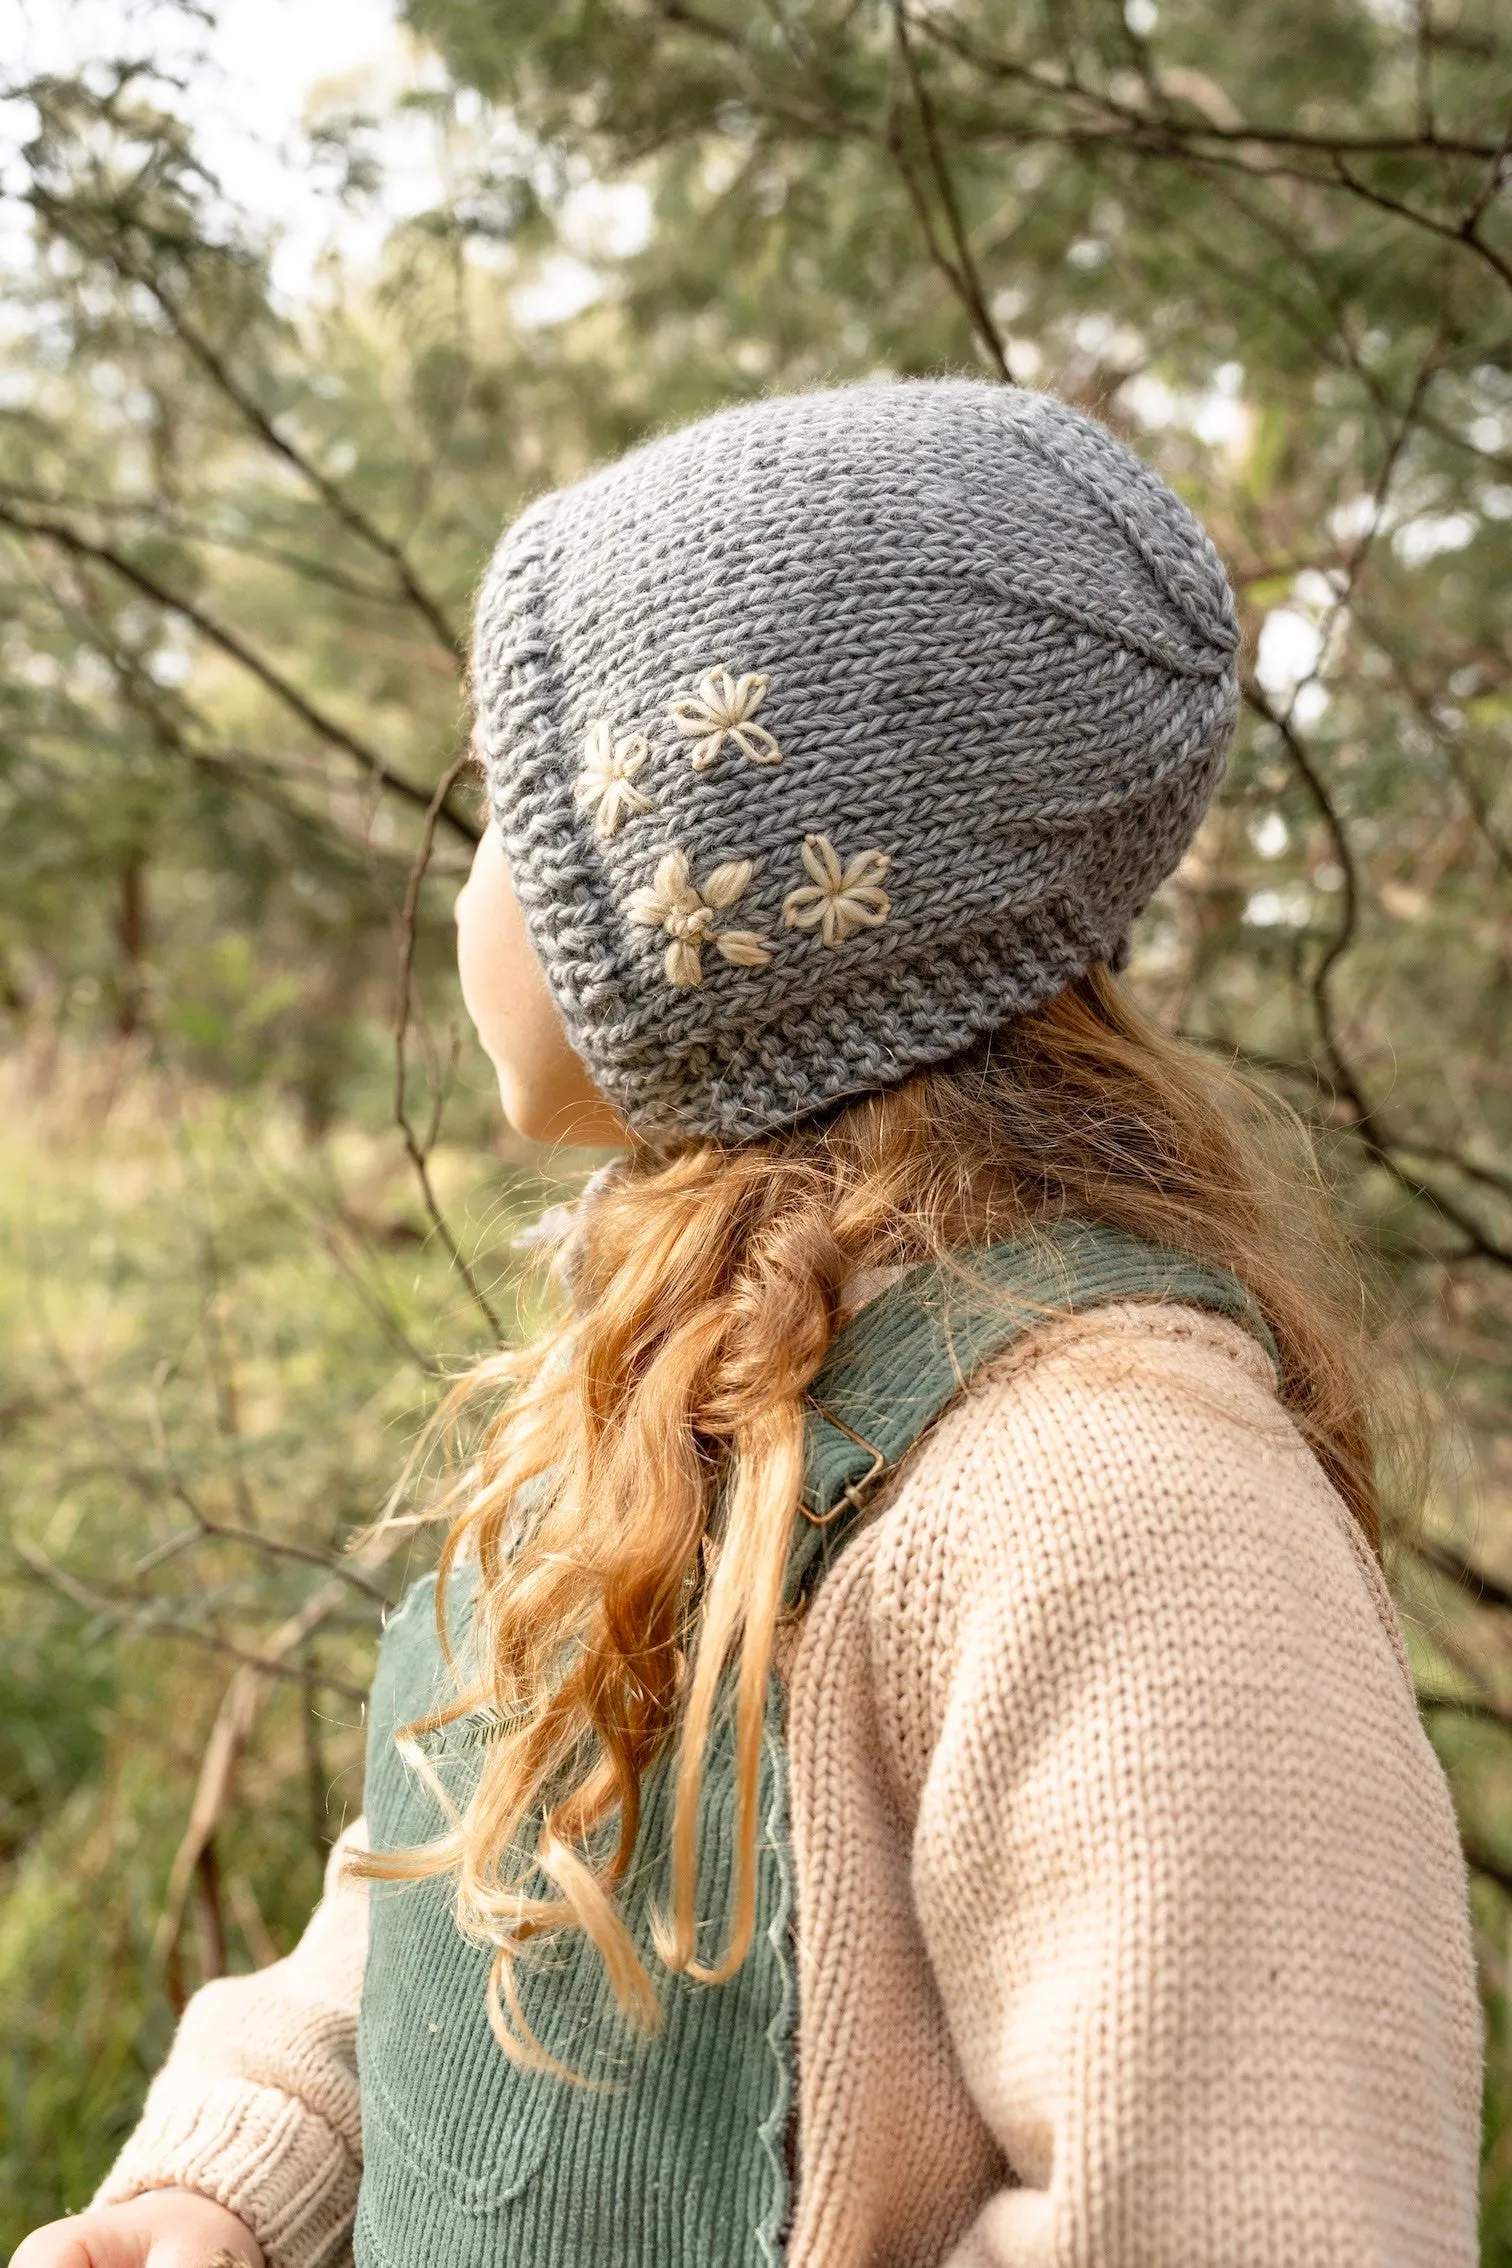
(166, 2228)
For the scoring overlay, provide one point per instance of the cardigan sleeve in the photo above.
(1183, 1860)
(257, 2104)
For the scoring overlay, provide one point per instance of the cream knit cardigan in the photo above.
(1131, 1918)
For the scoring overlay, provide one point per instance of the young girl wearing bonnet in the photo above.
(908, 1760)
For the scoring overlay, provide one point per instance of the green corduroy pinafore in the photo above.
(678, 2156)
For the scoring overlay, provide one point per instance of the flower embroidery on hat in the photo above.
(721, 710)
(841, 898)
(606, 784)
(687, 912)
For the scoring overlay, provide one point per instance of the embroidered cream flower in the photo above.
(687, 913)
(722, 709)
(605, 785)
(842, 899)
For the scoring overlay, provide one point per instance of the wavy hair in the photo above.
(697, 1297)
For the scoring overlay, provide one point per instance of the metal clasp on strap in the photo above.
(854, 1492)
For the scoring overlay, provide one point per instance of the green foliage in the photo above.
(217, 1374)
(237, 542)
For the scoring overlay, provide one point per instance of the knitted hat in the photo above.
(835, 730)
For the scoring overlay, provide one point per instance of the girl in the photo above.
(909, 1759)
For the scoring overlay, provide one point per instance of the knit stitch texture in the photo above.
(1131, 1920)
(832, 731)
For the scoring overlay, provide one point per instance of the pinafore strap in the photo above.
(895, 1369)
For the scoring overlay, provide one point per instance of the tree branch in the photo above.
(1466, 231)
(1364, 1122)
(230, 643)
(1481, 1589)
(115, 238)
(241, 1706)
(962, 270)
(418, 1152)
(937, 26)
(145, 1615)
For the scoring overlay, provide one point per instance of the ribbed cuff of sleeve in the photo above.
(268, 2159)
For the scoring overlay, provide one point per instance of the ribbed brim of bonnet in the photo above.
(835, 730)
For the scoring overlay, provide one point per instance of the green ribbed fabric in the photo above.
(678, 2157)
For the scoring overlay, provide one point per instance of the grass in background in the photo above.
(209, 1320)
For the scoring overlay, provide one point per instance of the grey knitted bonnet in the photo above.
(830, 732)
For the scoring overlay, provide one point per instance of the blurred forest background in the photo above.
(248, 481)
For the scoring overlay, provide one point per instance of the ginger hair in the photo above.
(698, 1295)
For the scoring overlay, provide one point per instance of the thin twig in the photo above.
(1444, 1559)
(418, 1152)
(1480, 1861)
(1456, 1705)
(1466, 231)
(962, 271)
(158, 515)
(241, 1706)
(150, 1485)
(111, 245)
(941, 28)
(230, 643)
(144, 1615)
